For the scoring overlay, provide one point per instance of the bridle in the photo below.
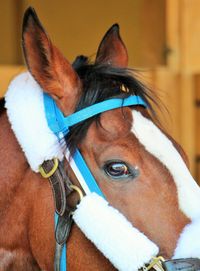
(60, 126)
(62, 186)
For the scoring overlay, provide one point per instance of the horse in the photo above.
(140, 169)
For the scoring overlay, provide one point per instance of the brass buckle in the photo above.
(124, 88)
(51, 172)
(78, 190)
(156, 264)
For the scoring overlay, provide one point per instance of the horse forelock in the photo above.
(101, 82)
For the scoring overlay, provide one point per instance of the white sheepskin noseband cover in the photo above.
(126, 247)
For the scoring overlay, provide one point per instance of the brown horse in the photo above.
(140, 169)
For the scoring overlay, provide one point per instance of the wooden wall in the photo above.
(77, 27)
(197, 127)
(183, 42)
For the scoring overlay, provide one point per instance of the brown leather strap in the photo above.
(188, 264)
(62, 232)
(60, 185)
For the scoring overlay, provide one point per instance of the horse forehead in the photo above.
(116, 123)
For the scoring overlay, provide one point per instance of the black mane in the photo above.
(102, 82)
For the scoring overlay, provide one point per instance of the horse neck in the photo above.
(13, 163)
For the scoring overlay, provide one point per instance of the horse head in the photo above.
(141, 170)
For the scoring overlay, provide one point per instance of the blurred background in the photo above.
(162, 38)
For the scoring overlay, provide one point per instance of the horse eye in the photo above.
(118, 170)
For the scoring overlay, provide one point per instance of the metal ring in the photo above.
(78, 190)
(51, 172)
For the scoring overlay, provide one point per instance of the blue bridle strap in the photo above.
(90, 181)
(60, 125)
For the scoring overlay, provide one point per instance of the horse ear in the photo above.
(112, 49)
(48, 66)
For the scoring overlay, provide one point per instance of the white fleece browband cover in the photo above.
(125, 246)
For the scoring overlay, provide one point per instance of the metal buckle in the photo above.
(51, 172)
(78, 190)
(156, 264)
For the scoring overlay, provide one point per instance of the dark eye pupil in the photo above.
(117, 169)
